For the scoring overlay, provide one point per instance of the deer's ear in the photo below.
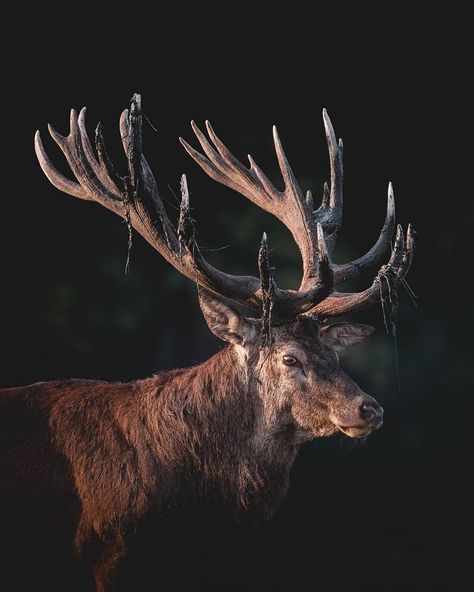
(342, 336)
(225, 321)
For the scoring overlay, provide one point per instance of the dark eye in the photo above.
(290, 360)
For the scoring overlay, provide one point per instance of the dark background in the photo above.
(393, 514)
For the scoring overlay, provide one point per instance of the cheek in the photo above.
(310, 408)
(311, 392)
(286, 381)
(295, 382)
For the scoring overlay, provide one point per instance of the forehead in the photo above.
(304, 330)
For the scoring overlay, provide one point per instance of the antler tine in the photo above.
(223, 167)
(325, 275)
(335, 159)
(352, 270)
(251, 178)
(329, 214)
(104, 158)
(142, 179)
(100, 170)
(55, 177)
(250, 175)
(388, 278)
(326, 193)
(291, 184)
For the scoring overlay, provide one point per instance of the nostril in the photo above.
(370, 411)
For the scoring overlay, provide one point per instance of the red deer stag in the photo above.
(227, 430)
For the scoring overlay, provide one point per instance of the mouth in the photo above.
(359, 431)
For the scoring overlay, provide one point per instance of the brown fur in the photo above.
(225, 433)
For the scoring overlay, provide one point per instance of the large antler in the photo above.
(307, 224)
(135, 197)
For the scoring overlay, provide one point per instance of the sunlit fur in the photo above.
(225, 432)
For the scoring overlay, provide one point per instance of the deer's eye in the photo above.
(290, 360)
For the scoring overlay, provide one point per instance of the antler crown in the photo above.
(136, 198)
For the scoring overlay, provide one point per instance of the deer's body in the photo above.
(103, 458)
(224, 433)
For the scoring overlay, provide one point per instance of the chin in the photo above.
(307, 434)
(358, 431)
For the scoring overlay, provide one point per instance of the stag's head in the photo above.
(296, 372)
(289, 350)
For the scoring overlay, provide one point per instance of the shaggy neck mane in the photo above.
(206, 423)
(192, 435)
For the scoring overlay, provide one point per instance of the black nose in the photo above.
(371, 411)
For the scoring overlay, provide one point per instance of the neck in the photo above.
(210, 420)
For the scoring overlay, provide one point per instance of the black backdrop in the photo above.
(393, 514)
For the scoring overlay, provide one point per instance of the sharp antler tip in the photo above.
(329, 128)
(53, 133)
(37, 142)
(390, 193)
(276, 139)
(210, 131)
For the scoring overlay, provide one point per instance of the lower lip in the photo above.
(356, 431)
(368, 427)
